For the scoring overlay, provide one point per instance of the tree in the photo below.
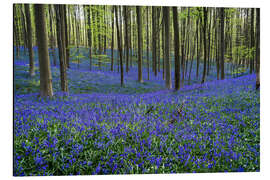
(147, 40)
(89, 33)
(257, 48)
(52, 38)
(222, 43)
(204, 40)
(61, 40)
(43, 54)
(166, 20)
(112, 45)
(140, 44)
(176, 48)
(154, 32)
(198, 49)
(29, 40)
(183, 32)
(119, 42)
(251, 61)
(66, 35)
(126, 36)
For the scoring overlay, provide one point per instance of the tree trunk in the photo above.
(176, 49)
(60, 13)
(198, 51)
(140, 44)
(43, 54)
(251, 61)
(66, 35)
(154, 31)
(112, 45)
(119, 41)
(147, 39)
(52, 38)
(222, 43)
(205, 47)
(90, 38)
(29, 39)
(258, 48)
(166, 18)
(126, 37)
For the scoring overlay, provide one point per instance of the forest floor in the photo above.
(103, 128)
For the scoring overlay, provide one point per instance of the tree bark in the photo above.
(251, 61)
(222, 43)
(140, 44)
(112, 45)
(90, 38)
(166, 16)
(205, 47)
(29, 39)
(60, 13)
(154, 30)
(258, 48)
(176, 48)
(147, 40)
(66, 35)
(119, 41)
(43, 54)
(126, 37)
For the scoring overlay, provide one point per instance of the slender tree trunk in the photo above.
(154, 31)
(104, 36)
(251, 61)
(140, 44)
(176, 49)
(60, 13)
(52, 44)
(205, 47)
(198, 52)
(99, 40)
(257, 48)
(126, 37)
(217, 47)
(158, 39)
(29, 39)
(119, 41)
(183, 29)
(24, 30)
(163, 48)
(222, 42)
(147, 40)
(112, 45)
(192, 56)
(90, 38)
(43, 54)
(209, 43)
(66, 35)
(166, 16)
(15, 33)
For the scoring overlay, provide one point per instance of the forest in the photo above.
(115, 89)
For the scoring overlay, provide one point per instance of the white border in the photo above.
(7, 82)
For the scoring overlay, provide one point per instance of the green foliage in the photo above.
(239, 71)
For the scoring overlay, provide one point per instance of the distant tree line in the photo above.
(158, 38)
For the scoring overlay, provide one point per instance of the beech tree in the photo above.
(29, 40)
(257, 48)
(61, 40)
(176, 48)
(119, 42)
(140, 39)
(43, 54)
(222, 76)
(166, 20)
